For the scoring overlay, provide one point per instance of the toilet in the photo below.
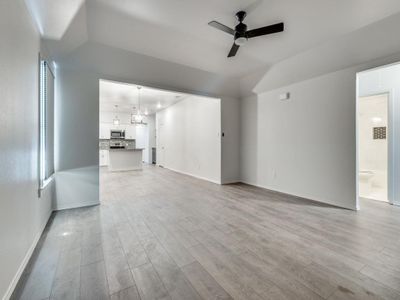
(365, 183)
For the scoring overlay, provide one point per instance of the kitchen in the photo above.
(124, 138)
(118, 149)
(141, 126)
(127, 129)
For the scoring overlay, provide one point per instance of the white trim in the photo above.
(380, 67)
(44, 185)
(71, 206)
(25, 261)
(356, 135)
(298, 196)
(46, 182)
(230, 181)
(189, 174)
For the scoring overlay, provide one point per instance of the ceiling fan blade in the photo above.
(265, 30)
(234, 50)
(222, 27)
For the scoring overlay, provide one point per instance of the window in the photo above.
(46, 117)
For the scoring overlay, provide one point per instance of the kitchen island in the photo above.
(125, 159)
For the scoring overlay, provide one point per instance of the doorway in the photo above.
(142, 128)
(378, 135)
(373, 134)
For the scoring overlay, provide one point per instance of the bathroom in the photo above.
(378, 134)
(373, 146)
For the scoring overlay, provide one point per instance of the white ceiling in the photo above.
(126, 96)
(53, 17)
(177, 30)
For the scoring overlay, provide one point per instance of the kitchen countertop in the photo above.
(123, 149)
(107, 140)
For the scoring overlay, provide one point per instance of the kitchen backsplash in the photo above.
(104, 144)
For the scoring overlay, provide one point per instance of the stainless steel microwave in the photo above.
(117, 134)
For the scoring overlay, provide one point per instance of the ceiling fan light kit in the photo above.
(241, 34)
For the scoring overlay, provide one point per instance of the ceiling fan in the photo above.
(241, 34)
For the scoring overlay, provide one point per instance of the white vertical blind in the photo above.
(46, 122)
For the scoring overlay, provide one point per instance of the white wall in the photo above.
(151, 121)
(109, 116)
(142, 140)
(323, 87)
(381, 80)
(305, 146)
(22, 214)
(189, 137)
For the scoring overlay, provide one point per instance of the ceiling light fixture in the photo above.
(159, 105)
(240, 41)
(376, 120)
(137, 117)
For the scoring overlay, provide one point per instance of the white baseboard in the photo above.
(192, 175)
(231, 181)
(25, 261)
(299, 196)
(77, 205)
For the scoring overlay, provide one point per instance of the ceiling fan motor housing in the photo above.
(240, 29)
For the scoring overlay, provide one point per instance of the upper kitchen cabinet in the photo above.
(130, 132)
(105, 131)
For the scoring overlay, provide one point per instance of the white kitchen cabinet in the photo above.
(103, 158)
(117, 127)
(105, 131)
(130, 131)
(105, 128)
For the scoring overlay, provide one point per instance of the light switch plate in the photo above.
(285, 96)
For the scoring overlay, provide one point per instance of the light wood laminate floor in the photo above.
(161, 235)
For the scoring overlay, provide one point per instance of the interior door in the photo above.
(161, 144)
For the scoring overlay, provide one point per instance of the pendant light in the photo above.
(116, 119)
(137, 118)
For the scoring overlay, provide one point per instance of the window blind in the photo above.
(46, 122)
